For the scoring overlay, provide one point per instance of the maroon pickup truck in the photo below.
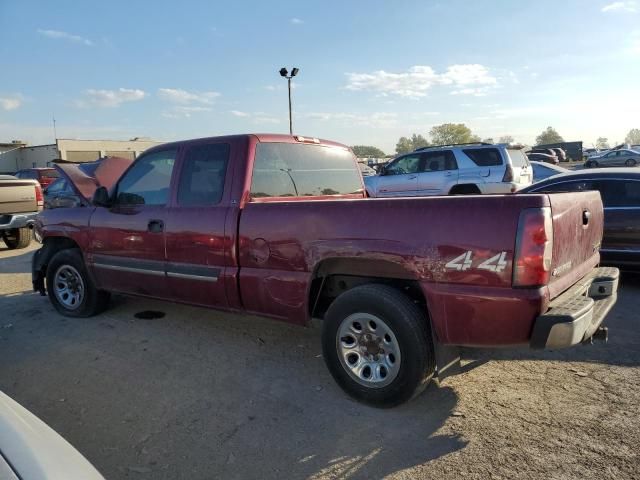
(279, 226)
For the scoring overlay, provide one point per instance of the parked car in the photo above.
(560, 153)
(543, 157)
(31, 450)
(543, 170)
(454, 169)
(44, 176)
(278, 226)
(620, 191)
(20, 202)
(614, 158)
(366, 170)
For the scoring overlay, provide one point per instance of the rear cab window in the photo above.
(484, 157)
(303, 170)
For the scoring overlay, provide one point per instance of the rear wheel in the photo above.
(71, 290)
(630, 163)
(377, 345)
(17, 238)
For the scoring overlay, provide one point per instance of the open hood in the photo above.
(87, 177)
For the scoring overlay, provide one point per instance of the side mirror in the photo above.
(101, 197)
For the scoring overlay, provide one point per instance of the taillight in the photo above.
(508, 174)
(534, 247)
(39, 197)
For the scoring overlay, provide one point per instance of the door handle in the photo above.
(155, 226)
(448, 174)
(413, 177)
(586, 215)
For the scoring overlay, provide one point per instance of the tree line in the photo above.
(450, 133)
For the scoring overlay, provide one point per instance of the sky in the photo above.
(370, 71)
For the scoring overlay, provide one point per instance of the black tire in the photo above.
(411, 328)
(593, 164)
(630, 163)
(17, 238)
(93, 301)
(465, 190)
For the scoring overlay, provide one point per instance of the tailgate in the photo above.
(17, 196)
(578, 220)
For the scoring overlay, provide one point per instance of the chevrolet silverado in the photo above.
(279, 226)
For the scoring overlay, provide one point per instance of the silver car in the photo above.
(453, 170)
(614, 158)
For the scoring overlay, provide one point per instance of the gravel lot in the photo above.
(201, 395)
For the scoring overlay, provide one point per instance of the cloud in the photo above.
(110, 98)
(256, 117)
(182, 111)
(415, 82)
(11, 102)
(373, 120)
(628, 6)
(296, 21)
(60, 35)
(177, 95)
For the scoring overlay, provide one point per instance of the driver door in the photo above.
(127, 248)
(400, 177)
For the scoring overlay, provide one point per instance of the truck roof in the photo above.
(261, 137)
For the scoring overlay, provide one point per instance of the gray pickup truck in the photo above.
(20, 202)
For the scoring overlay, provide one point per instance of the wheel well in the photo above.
(51, 246)
(464, 189)
(335, 277)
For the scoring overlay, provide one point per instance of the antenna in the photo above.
(55, 134)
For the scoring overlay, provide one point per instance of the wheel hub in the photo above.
(368, 350)
(68, 287)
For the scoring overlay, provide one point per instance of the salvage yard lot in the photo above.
(197, 394)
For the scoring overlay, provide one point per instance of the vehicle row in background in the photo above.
(620, 192)
(614, 158)
(472, 168)
(44, 176)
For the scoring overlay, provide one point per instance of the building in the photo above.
(17, 155)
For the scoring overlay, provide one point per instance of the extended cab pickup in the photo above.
(20, 202)
(278, 226)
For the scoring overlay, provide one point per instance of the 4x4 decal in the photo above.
(463, 262)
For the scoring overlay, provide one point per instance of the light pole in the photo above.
(285, 74)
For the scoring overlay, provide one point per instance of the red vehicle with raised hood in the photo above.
(45, 175)
(279, 226)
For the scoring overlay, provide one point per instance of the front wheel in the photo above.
(71, 290)
(377, 344)
(17, 238)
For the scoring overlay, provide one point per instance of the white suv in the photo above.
(475, 168)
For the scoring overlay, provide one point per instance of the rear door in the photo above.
(198, 243)
(400, 177)
(127, 248)
(439, 172)
(621, 200)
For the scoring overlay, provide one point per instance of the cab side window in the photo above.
(619, 193)
(484, 157)
(408, 164)
(574, 186)
(438, 161)
(203, 173)
(147, 181)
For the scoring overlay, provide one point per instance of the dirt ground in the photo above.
(201, 395)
